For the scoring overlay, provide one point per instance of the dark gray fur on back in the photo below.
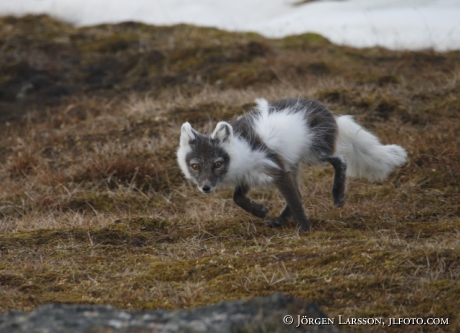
(320, 120)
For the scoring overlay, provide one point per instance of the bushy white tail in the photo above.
(366, 156)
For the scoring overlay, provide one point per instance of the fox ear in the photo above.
(223, 133)
(187, 134)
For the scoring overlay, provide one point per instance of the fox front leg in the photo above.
(240, 198)
(282, 219)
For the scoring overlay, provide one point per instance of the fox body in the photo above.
(267, 145)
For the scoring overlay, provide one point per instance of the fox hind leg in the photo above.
(286, 213)
(287, 185)
(340, 168)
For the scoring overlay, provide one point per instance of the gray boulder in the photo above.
(264, 314)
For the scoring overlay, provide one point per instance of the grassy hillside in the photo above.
(93, 208)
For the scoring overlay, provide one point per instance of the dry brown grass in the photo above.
(93, 208)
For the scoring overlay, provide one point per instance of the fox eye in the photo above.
(217, 165)
(195, 166)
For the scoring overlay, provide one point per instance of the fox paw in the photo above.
(276, 222)
(339, 202)
(259, 210)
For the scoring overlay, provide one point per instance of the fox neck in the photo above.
(248, 166)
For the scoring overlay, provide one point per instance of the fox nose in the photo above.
(206, 188)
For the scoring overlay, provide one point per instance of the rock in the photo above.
(264, 314)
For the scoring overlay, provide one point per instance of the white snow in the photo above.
(396, 24)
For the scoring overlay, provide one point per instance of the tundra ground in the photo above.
(93, 208)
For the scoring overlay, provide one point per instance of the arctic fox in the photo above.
(267, 146)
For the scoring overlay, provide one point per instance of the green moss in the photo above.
(144, 223)
(314, 273)
(305, 41)
(40, 28)
(133, 232)
(246, 75)
(113, 43)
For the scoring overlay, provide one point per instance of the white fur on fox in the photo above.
(366, 156)
(285, 132)
(247, 166)
(184, 148)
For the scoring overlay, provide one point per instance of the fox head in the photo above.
(204, 159)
